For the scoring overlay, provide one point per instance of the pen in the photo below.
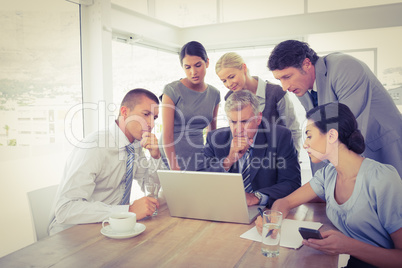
(262, 217)
(261, 213)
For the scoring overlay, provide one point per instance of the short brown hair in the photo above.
(133, 97)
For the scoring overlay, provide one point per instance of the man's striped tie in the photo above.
(246, 172)
(128, 178)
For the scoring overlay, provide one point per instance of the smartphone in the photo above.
(307, 233)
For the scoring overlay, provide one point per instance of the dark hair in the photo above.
(193, 48)
(290, 53)
(338, 116)
(133, 97)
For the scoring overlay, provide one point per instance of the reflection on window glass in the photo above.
(39, 76)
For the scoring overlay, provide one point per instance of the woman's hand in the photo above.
(333, 242)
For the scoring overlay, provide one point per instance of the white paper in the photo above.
(343, 260)
(290, 236)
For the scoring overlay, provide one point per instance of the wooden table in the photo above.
(170, 242)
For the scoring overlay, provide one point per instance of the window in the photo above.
(137, 66)
(40, 80)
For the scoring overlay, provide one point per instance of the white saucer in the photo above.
(107, 231)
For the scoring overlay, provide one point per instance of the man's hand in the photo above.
(252, 199)
(150, 142)
(144, 207)
(238, 148)
(279, 205)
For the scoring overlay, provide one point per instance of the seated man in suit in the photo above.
(264, 153)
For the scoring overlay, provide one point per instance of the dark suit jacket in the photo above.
(275, 169)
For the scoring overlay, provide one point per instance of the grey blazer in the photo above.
(340, 77)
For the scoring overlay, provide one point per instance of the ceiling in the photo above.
(235, 23)
(189, 13)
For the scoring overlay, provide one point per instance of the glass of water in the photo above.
(152, 190)
(271, 233)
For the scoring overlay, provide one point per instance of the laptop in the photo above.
(210, 196)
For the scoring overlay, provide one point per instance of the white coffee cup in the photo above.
(121, 222)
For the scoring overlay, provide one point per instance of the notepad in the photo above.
(290, 236)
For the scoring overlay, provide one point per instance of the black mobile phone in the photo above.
(307, 233)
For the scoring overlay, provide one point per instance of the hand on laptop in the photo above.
(144, 206)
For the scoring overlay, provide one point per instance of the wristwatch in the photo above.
(258, 195)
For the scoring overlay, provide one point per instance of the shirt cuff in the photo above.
(264, 199)
(120, 208)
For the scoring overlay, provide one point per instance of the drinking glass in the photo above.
(271, 233)
(152, 190)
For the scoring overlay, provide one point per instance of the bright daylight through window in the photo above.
(40, 80)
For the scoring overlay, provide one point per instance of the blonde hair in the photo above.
(229, 60)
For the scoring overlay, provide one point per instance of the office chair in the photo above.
(40, 203)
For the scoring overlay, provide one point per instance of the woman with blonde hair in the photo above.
(275, 105)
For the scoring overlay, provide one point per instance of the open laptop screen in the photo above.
(206, 195)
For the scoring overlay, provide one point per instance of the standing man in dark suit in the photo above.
(263, 153)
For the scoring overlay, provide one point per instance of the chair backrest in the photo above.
(40, 203)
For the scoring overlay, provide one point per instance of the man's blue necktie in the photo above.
(246, 171)
(314, 98)
(128, 178)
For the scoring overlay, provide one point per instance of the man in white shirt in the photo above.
(94, 183)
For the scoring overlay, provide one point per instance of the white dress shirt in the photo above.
(93, 184)
(314, 87)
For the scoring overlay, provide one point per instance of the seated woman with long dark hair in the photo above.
(364, 197)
